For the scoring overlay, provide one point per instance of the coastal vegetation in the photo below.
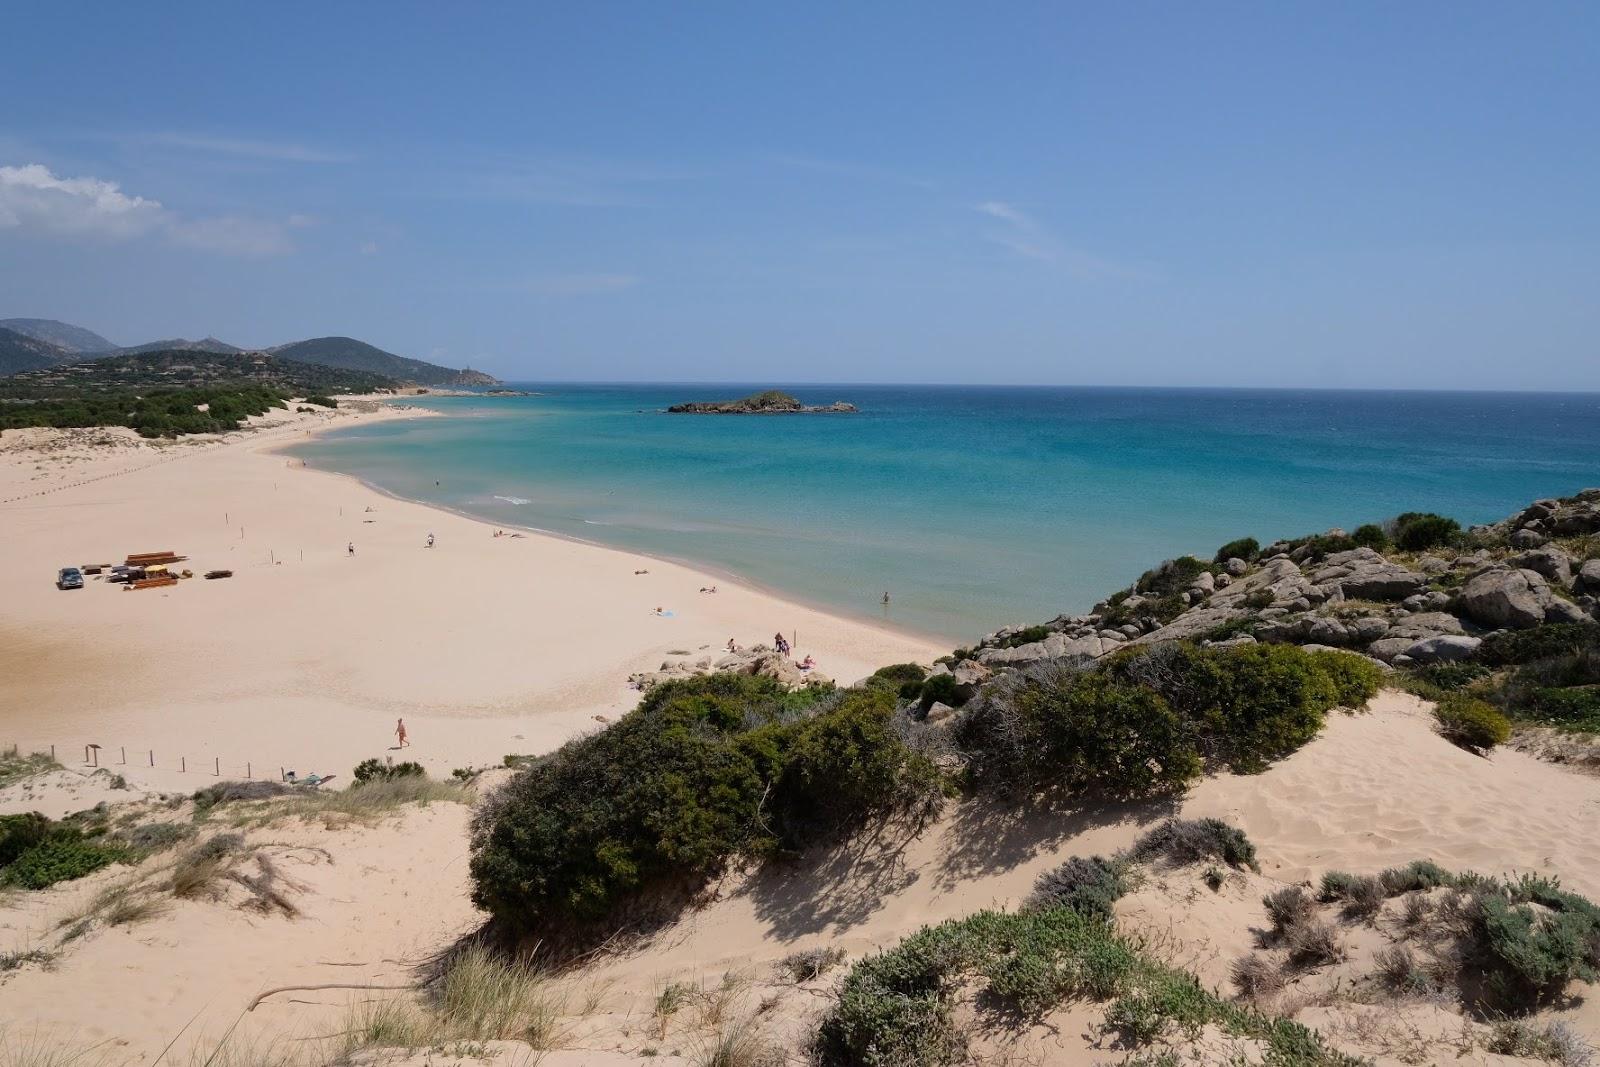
(169, 394)
(723, 767)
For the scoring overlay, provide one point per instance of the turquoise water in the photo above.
(973, 507)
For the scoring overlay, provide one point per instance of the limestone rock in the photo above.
(1588, 578)
(1235, 567)
(1362, 574)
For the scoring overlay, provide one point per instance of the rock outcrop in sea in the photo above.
(770, 402)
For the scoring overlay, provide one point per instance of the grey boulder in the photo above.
(1515, 598)
(1443, 649)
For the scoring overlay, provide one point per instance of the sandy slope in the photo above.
(1375, 789)
(306, 657)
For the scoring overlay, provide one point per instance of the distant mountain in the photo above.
(63, 335)
(23, 352)
(344, 353)
(350, 354)
(185, 369)
(179, 344)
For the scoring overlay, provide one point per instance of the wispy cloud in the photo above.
(847, 169)
(284, 151)
(579, 284)
(33, 198)
(1018, 231)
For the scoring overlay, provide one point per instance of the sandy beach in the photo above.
(308, 655)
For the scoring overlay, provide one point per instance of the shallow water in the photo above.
(973, 507)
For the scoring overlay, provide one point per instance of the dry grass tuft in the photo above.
(810, 963)
(1256, 977)
(1313, 943)
(739, 1043)
(1288, 908)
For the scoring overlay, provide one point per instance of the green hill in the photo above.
(179, 344)
(349, 354)
(63, 335)
(20, 352)
(167, 394)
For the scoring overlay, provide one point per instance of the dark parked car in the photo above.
(69, 578)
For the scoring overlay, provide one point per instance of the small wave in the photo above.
(597, 522)
(517, 500)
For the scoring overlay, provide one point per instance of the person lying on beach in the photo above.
(708, 589)
(807, 664)
(657, 611)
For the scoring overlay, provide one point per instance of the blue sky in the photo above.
(1286, 194)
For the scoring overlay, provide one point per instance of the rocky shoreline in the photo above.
(1399, 607)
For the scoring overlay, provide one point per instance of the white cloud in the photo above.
(1019, 232)
(233, 235)
(33, 198)
(580, 284)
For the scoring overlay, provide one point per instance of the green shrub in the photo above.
(1414, 876)
(1448, 677)
(1416, 531)
(905, 679)
(1184, 841)
(60, 860)
(1245, 548)
(322, 401)
(1356, 678)
(703, 770)
(1054, 729)
(1541, 642)
(942, 689)
(1470, 723)
(1171, 577)
(377, 770)
(19, 833)
(1026, 637)
(1145, 720)
(1533, 956)
(1566, 709)
(1088, 886)
(1337, 885)
(155, 836)
(1370, 535)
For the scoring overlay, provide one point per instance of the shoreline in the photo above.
(305, 658)
(712, 568)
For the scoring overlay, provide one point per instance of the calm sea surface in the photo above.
(973, 507)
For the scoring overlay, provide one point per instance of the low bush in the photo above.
(1026, 637)
(810, 963)
(1089, 886)
(322, 401)
(60, 860)
(1370, 535)
(1448, 677)
(230, 792)
(1565, 709)
(1287, 908)
(1417, 531)
(896, 1009)
(155, 836)
(1245, 548)
(1531, 956)
(703, 770)
(376, 770)
(941, 689)
(1184, 841)
(1146, 721)
(1470, 723)
(19, 833)
(1418, 875)
(902, 678)
(1313, 943)
(1256, 977)
(1172, 577)
(1509, 647)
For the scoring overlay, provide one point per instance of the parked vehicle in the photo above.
(69, 578)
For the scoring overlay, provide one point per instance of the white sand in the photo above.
(305, 658)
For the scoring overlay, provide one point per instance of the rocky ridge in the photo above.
(1399, 607)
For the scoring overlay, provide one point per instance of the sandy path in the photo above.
(306, 657)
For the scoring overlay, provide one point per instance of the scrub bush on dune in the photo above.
(702, 771)
(1147, 721)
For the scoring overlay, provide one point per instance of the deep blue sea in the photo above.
(973, 507)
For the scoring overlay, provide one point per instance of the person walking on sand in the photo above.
(430, 540)
(350, 549)
(400, 733)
